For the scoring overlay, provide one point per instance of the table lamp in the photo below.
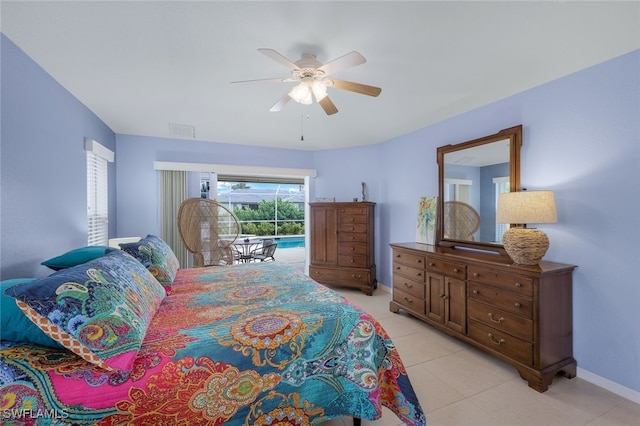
(526, 246)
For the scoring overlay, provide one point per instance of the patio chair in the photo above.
(264, 253)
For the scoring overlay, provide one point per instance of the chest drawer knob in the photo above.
(494, 341)
(352, 248)
(356, 276)
(498, 321)
(408, 285)
(455, 270)
(518, 285)
(443, 297)
(475, 274)
(475, 292)
(517, 305)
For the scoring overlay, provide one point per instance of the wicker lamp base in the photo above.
(525, 246)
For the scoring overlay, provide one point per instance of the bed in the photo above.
(254, 344)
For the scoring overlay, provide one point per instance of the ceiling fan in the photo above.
(311, 76)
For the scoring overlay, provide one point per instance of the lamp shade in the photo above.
(526, 207)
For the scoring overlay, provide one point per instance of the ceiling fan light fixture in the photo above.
(301, 93)
(319, 90)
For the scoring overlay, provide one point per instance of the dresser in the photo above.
(342, 245)
(520, 314)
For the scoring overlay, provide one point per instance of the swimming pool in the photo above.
(290, 242)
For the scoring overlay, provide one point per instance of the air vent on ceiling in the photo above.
(182, 131)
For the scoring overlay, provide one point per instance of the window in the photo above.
(502, 184)
(97, 193)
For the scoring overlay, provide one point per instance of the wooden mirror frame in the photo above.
(514, 134)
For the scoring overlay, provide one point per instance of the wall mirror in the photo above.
(470, 176)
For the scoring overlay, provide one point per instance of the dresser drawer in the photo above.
(511, 282)
(407, 285)
(360, 228)
(501, 320)
(358, 237)
(352, 218)
(353, 261)
(354, 210)
(504, 343)
(340, 276)
(410, 259)
(504, 300)
(351, 249)
(451, 269)
(408, 271)
(411, 302)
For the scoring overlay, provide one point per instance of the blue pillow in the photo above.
(76, 257)
(15, 326)
(156, 255)
(99, 310)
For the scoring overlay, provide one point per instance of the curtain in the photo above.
(173, 192)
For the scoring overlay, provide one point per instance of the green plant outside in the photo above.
(262, 220)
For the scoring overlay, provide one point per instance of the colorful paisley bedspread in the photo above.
(253, 344)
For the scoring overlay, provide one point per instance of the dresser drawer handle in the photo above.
(356, 276)
(456, 270)
(517, 305)
(475, 292)
(498, 342)
(443, 296)
(352, 260)
(518, 285)
(353, 229)
(419, 274)
(419, 260)
(398, 256)
(352, 248)
(352, 219)
(475, 274)
(353, 238)
(406, 299)
(498, 321)
(408, 285)
(398, 268)
(432, 264)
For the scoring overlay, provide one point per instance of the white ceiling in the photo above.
(141, 65)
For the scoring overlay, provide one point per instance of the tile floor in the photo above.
(460, 385)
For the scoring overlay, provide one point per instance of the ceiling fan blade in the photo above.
(279, 58)
(266, 80)
(349, 60)
(328, 106)
(281, 103)
(356, 87)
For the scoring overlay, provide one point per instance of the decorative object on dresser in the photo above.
(342, 244)
(520, 314)
(426, 221)
(526, 246)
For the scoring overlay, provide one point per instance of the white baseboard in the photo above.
(384, 288)
(607, 384)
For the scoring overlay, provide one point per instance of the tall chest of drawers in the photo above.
(342, 245)
(520, 314)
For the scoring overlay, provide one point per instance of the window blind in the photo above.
(98, 158)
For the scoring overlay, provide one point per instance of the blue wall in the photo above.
(43, 170)
(138, 199)
(581, 140)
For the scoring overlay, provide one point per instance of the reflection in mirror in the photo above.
(472, 174)
(472, 179)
